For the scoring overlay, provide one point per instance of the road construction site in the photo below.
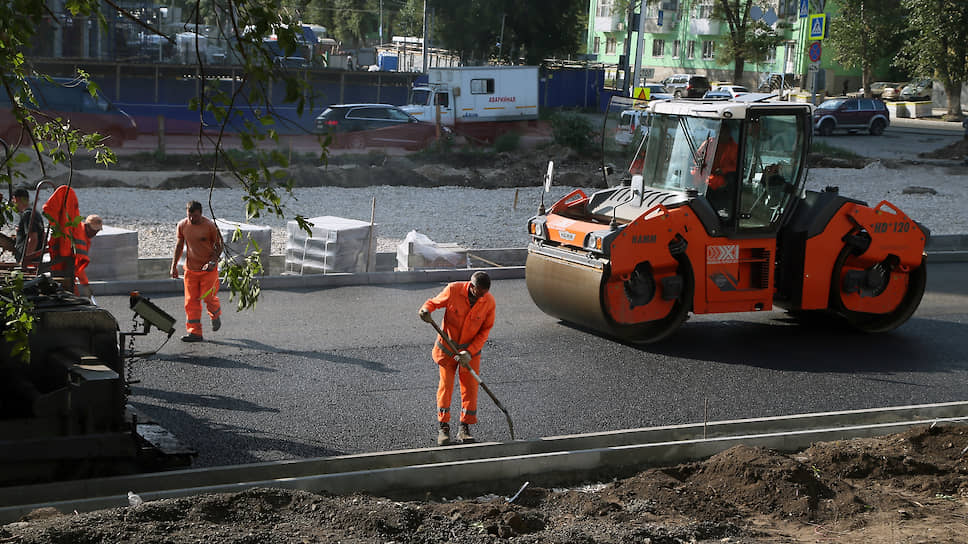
(325, 401)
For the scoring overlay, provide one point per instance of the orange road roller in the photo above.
(711, 215)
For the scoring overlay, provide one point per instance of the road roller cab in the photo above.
(711, 215)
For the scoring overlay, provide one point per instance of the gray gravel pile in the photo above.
(490, 218)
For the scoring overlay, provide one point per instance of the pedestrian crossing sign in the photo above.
(818, 26)
(642, 93)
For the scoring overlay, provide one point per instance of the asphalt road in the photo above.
(348, 370)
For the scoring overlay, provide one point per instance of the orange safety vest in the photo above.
(62, 209)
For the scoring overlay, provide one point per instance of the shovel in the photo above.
(453, 348)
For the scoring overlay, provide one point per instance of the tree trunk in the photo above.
(738, 71)
(953, 90)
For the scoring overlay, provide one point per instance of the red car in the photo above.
(70, 100)
(357, 126)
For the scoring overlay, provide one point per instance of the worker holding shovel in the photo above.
(468, 318)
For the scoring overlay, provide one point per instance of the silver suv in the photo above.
(686, 85)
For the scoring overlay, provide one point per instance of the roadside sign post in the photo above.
(818, 31)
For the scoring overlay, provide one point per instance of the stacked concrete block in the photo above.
(336, 245)
(238, 250)
(114, 255)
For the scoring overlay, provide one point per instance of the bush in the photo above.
(507, 142)
(572, 130)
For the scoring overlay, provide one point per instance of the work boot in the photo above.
(443, 434)
(192, 338)
(464, 435)
(216, 323)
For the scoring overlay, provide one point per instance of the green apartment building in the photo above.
(681, 36)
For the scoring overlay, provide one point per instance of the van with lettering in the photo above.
(478, 102)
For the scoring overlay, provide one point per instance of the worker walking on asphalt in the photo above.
(468, 318)
(202, 242)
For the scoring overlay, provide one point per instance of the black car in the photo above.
(356, 126)
(851, 114)
(686, 85)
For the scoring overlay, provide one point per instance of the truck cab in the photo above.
(423, 104)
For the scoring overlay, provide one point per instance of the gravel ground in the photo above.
(490, 218)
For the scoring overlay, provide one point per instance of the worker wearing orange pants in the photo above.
(467, 321)
(201, 241)
(201, 285)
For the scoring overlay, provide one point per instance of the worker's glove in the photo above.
(464, 357)
(425, 315)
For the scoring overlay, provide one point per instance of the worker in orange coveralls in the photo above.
(200, 239)
(70, 239)
(468, 318)
(718, 180)
(91, 225)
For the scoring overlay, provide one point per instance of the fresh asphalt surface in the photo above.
(347, 370)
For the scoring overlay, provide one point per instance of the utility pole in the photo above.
(628, 49)
(639, 45)
(500, 41)
(425, 37)
(381, 22)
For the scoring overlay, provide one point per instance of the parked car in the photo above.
(71, 101)
(356, 126)
(917, 91)
(686, 85)
(851, 114)
(631, 121)
(656, 91)
(879, 88)
(727, 91)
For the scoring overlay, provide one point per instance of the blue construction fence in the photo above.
(150, 93)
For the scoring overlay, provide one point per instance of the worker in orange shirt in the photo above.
(468, 318)
(201, 241)
(718, 177)
(91, 225)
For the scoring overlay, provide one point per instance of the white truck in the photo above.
(478, 102)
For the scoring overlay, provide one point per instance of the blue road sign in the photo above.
(804, 8)
(818, 26)
(659, 19)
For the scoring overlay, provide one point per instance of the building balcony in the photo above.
(705, 27)
(611, 23)
(669, 20)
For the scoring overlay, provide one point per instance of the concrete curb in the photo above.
(487, 464)
(946, 248)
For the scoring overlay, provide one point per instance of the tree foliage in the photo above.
(748, 39)
(861, 32)
(532, 30)
(937, 45)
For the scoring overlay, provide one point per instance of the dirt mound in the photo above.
(909, 487)
(956, 151)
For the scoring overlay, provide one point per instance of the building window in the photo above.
(597, 45)
(676, 47)
(691, 49)
(708, 49)
(704, 9)
(604, 8)
(658, 48)
(609, 46)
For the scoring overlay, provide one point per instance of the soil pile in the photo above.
(956, 151)
(909, 487)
